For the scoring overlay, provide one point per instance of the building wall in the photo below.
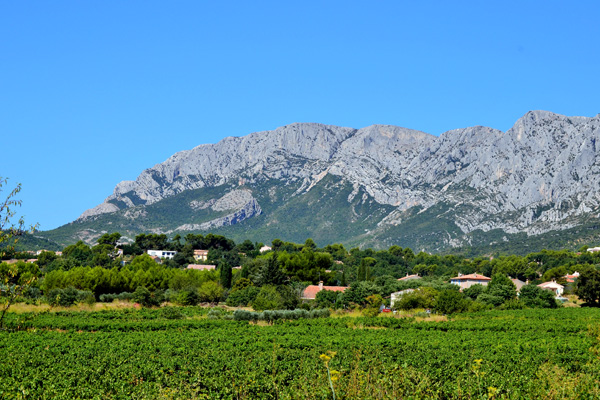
(467, 283)
(162, 253)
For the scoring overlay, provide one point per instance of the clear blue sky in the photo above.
(94, 92)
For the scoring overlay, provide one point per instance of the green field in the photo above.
(142, 354)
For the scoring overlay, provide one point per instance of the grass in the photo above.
(20, 308)
(573, 301)
(416, 314)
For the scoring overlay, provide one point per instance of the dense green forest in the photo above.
(275, 278)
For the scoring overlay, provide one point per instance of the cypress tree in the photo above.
(362, 271)
(226, 275)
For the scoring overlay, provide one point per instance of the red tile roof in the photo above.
(201, 267)
(571, 278)
(471, 277)
(310, 293)
(409, 277)
(550, 285)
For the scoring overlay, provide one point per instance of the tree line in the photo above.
(276, 278)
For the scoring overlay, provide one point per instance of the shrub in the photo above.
(32, 293)
(322, 313)
(533, 296)
(241, 315)
(513, 304)
(242, 297)
(240, 284)
(215, 313)
(547, 299)
(210, 292)
(62, 297)
(373, 303)
(290, 297)
(110, 297)
(359, 291)
(273, 315)
(267, 299)
(370, 312)
(171, 313)
(588, 286)
(474, 291)
(144, 297)
(69, 296)
(450, 302)
(188, 297)
(88, 298)
(476, 306)
(423, 297)
(268, 315)
(490, 299)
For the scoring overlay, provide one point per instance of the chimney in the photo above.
(320, 285)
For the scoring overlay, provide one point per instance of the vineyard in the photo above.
(186, 354)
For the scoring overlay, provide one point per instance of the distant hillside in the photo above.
(34, 242)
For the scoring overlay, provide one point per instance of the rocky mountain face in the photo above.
(542, 175)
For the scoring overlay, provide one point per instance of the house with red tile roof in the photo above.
(200, 255)
(466, 281)
(409, 277)
(310, 293)
(572, 278)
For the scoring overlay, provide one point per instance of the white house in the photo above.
(162, 253)
(265, 249)
(396, 296)
(553, 286)
(594, 249)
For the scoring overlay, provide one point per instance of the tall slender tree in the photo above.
(12, 283)
(226, 274)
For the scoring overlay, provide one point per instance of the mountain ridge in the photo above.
(541, 175)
